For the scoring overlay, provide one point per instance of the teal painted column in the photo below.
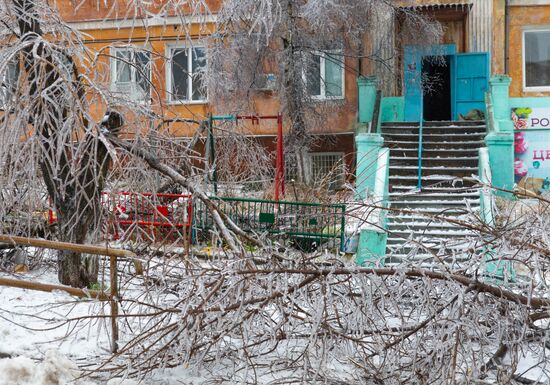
(367, 146)
(501, 159)
(500, 91)
(501, 141)
(371, 251)
(366, 88)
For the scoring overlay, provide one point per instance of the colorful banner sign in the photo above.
(532, 149)
(527, 117)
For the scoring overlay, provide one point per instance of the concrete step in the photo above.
(440, 123)
(429, 144)
(441, 204)
(440, 188)
(428, 180)
(443, 245)
(421, 259)
(416, 217)
(427, 169)
(432, 233)
(434, 135)
(455, 123)
(434, 162)
(421, 225)
(434, 153)
(415, 195)
(454, 210)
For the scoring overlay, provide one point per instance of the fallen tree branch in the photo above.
(473, 284)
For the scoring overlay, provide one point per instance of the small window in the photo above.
(328, 168)
(325, 168)
(9, 83)
(537, 60)
(325, 75)
(185, 75)
(131, 73)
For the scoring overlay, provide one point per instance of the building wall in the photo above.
(480, 24)
(107, 25)
(524, 17)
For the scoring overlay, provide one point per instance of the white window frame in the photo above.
(523, 63)
(323, 96)
(113, 72)
(6, 95)
(170, 48)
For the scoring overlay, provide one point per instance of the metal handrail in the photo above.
(420, 149)
(490, 115)
(377, 111)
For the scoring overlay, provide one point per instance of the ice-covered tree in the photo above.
(306, 45)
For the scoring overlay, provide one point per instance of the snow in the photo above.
(44, 355)
(45, 350)
(55, 369)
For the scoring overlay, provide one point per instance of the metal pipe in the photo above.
(506, 36)
(420, 129)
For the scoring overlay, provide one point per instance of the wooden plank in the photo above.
(87, 249)
(46, 287)
(114, 304)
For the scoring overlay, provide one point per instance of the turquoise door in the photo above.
(412, 81)
(470, 82)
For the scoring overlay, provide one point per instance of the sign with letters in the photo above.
(527, 117)
(532, 148)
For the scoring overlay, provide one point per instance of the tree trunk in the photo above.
(297, 140)
(74, 178)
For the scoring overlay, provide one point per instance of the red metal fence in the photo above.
(164, 218)
(146, 217)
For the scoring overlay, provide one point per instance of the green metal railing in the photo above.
(295, 220)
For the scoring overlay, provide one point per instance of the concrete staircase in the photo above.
(450, 152)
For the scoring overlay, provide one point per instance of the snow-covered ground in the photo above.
(37, 347)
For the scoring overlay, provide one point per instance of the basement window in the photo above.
(536, 60)
(322, 168)
(328, 168)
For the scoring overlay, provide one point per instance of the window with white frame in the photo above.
(131, 73)
(185, 72)
(536, 59)
(9, 82)
(325, 75)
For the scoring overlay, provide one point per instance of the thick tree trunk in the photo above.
(74, 179)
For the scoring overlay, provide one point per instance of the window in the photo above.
(536, 60)
(185, 75)
(328, 168)
(9, 83)
(325, 75)
(131, 73)
(325, 168)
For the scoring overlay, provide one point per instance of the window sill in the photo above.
(186, 102)
(536, 89)
(327, 99)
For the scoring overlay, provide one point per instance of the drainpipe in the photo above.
(506, 35)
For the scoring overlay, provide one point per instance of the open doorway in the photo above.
(436, 74)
